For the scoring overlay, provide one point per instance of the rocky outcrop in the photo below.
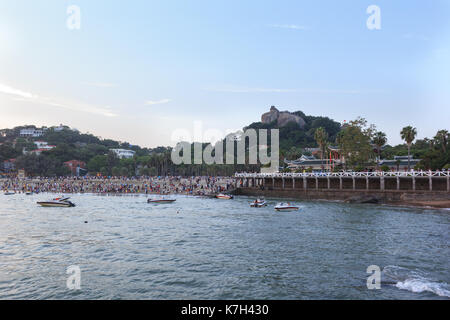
(270, 116)
(282, 118)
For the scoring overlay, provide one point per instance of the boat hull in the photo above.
(224, 197)
(287, 209)
(55, 205)
(258, 205)
(160, 201)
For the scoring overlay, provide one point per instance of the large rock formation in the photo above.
(282, 118)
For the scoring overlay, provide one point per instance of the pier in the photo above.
(387, 186)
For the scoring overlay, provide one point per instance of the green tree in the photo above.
(379, 140)
(97, 163)
(354, 140)
(442, 138)
(111, 161)
(321, 136)
(8, 152)
(116, 171)
(409, 134)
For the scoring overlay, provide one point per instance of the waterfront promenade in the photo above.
(412, 187)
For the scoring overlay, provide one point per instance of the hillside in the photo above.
(43, 151)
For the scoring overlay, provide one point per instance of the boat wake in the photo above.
(414, 281)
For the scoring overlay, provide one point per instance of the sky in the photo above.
(138, 71)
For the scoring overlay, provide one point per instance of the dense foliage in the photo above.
(358, 141)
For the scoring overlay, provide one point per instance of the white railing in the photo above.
(345, 174)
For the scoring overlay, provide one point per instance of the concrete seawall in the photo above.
(336, 194)
(409, 190)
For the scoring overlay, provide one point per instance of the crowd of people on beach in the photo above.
(120, 185)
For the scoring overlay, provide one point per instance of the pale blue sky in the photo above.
(138, 70)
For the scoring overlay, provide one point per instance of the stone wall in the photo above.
(384, 196)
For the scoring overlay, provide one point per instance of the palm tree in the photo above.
(408, 134)
(379, 140)
(321, 137)
(442, 138)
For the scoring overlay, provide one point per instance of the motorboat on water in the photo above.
(8, 193)
(161, 200)
(57, 202)
(286, 207)
(258, 203)
(224, 196)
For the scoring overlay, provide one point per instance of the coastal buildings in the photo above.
(400, 163)
(75, 166)
(311, 163)
(124, 153)
(37, 151)
(62, 127)
(43, 145)
(31, 132)
(8, 165)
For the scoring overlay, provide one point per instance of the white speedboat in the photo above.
(161, 200)
(286, 207)
(7, 193)
(224, 196)
(57, 202)
(258, 203)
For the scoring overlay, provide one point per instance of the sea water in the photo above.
(202, 248)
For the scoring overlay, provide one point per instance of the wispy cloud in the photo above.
(153, 102)
(100, 84)
(413, 36)
(289, 26)
(292, 90)
(15, 92)
(20, 95)
(253, 90)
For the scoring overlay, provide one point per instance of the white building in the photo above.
(30, 132)
(59, 128)
(43, 145)
(123, 153)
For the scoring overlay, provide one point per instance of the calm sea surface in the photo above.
(199, 248)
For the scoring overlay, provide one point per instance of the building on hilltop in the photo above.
(60, 128)
(123, 153)
(31, 132)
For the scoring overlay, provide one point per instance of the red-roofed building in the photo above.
(75, 166)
